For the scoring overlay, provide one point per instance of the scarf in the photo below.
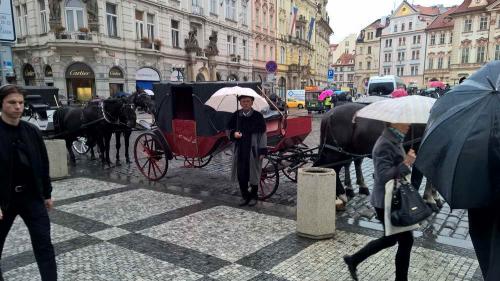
(399, 136)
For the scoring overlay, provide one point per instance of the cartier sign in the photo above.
(79, 70)
(115, 72)
(28, 72)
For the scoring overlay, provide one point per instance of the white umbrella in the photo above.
(409, 109)
(226, 99)
(149, 92)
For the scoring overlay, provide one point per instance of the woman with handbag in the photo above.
(390, 162)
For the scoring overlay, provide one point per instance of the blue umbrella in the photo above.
(122, 95)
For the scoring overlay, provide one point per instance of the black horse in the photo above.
(344, 141)
(143, 101)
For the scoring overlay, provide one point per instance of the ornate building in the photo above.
(439, 48)
(346, 46)
(264, 36)
(476, 36)
(97, 47)
(322, 46)
(344, 71)
(403, 42)
(367, 55)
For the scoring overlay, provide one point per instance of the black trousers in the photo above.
(34, 214)
(484, 229)
(404, 241)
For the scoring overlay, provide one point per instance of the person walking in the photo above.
(248, 131)
(25, 187)
(390, 162)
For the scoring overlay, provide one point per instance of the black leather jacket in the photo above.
(37, 154)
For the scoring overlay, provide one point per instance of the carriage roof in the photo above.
(186, 101)
(42, 94)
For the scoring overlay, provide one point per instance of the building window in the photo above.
(350, 77)
(257, 55)
(497, 53)
(175, 33)
(213, 6)
(271, 51)
(368, 65)
(151, 26)
(257, 16)
(245, 49)
(449, 62)
(410, 26)
(360, 65)
(441, 38)
(231, 45)
(264, 18)
(401, 56)
(451, 37)
(415, 55)
(231, 9)
(400, 71)
(43, 17)
(498, 24)
(387, 70)
(139, 24)
(414, 70)
(111, 19)
(402, 27)
(341, 77)
(440, 62)
(244, 13)
(369, 50)
(271, 20)
(395, 28)
(480, 54)
(465, 55)
(418, 39)
(483, 23)
(282, 55)
(74, 15)
(467, 25)
(431, 63)
(433, 40)
(388, 43)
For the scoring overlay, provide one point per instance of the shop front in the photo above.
(49, 76)
(116, 81)
(80, 82)
(145, 77)
(29, 75)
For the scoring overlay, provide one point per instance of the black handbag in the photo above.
(407, 207)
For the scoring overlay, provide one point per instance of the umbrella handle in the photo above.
(237, 114)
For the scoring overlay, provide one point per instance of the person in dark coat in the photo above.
(25, 187)
(390, 162)
(248, 131)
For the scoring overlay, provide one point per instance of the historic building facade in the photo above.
(344, 71)
(263, 36)
(322, 46)
(367, 56)
(346, 46)
(439, 48)
(476, 36)
(94, 47)
(403, 42)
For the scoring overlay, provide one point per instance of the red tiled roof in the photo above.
(345, 59)
(443, 21)
(427, 10)
(464, 7)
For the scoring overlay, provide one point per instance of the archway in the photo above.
(80, 82)
(232, 77)
(29, 75)
(145, 77)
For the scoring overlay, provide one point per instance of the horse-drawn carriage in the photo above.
(40, 104)
(189, 130)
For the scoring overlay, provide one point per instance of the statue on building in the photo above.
(212, 49)
(92, 12)
(55, 10)
(191, 43)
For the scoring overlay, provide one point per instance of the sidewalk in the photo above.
(117, 227)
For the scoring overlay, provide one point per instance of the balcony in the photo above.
(197, 10)
(83, 36)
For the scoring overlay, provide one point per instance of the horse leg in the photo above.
(107, 142)
(126, 136)
(69, 147)
(117, 146)
(341, 200)
(349, 191)
(437, 198)
(360, 180)
(428, 198)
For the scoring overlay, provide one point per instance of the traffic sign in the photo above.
(7, 32)
(271, 66)
(330, 74)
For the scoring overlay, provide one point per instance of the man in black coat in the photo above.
(25, 187)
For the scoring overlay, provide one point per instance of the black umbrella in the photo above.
(460, 150)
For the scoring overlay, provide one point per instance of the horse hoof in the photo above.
(340, 205)
(364, 191)
(434, 207)
(349, 192)
(344, 198)
(439, 204)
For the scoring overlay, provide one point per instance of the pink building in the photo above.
(264, 36)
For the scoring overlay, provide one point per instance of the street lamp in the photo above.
(179, 68)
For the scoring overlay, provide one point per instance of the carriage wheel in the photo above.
(197, 162)
(269, 179)
(80, 145)
(150, 156)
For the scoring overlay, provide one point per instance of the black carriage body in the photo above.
(42, 95)
(187, 101)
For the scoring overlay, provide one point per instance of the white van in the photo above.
(384, 85)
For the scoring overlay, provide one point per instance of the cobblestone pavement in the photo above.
(113, 227)
(112, 224)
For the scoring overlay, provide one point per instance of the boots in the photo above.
(253, 196)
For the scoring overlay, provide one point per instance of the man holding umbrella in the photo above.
(248, 131)
(460, 155)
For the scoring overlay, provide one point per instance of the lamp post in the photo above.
(180, 72)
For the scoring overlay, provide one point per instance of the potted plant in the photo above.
(83, 30)
(83, 35)
(146, 43)
(59, 31)
(158, 44)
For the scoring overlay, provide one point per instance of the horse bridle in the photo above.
(107, 116)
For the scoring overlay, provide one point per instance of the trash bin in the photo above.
(316, 203)
(58, 158)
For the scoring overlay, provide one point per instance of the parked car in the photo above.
(294, 103)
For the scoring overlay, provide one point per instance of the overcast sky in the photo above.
(350, 16)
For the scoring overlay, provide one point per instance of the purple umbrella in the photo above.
(324, 94)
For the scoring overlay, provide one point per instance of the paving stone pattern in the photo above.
(214, 241)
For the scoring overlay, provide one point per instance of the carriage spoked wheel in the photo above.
(80, 145)
(197, 162)
(292, 171)
(150, 156)
(269, 179)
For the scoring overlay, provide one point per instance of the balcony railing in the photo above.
(197, 10)
(74, 36)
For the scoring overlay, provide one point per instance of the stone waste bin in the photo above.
(316, 203)
(58, 158)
